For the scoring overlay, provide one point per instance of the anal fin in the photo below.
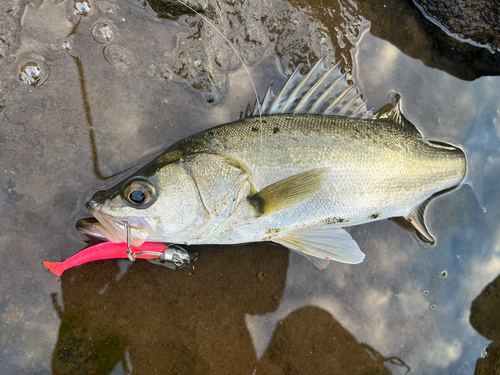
(287, 193)
(325, 242)
(416, 218)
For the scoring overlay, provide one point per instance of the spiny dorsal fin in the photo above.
(278, 103)
(266, 102)
(396, 115)
(325, 242)
(286, 193)
(321, 91)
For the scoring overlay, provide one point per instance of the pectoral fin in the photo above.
(286, 193)
(325, 242)
(416, 218)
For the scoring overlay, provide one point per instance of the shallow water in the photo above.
(104, 90)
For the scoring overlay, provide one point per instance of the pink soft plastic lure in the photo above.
(106, 250)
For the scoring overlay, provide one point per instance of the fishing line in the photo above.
(242, 62)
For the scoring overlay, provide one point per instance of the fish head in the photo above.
(158, 204)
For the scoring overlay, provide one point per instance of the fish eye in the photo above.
(139, 193)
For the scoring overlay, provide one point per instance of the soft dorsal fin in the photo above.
(322, 91)
(286, 193)
(396, 115)
(325, 242)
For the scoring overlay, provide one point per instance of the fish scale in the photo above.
(312, 141)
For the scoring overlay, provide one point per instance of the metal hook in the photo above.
(131, 255)
(172, 254)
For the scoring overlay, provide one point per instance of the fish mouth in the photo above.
(112, 228)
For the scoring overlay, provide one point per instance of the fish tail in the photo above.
(481, 143)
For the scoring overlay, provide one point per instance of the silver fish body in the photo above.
(295, 179)
(374, 169)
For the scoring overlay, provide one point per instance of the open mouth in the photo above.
(112, 228)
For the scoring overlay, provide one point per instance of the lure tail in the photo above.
(55, 267)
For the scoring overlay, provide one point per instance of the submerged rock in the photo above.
(475, 22)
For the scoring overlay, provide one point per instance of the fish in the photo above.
(303, 166)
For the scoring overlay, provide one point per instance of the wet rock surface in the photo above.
(419, 38)
(257, 30)
(475, 21)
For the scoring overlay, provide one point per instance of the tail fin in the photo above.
(481, 142)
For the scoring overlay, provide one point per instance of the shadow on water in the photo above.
(310, 341)
(87, 108)
(169, 322)
(153, 320)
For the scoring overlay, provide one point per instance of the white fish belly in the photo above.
(333, 204)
